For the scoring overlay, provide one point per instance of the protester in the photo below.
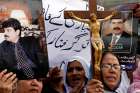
(76, 73)
(114, 79)
(55, 81)
(10, 84)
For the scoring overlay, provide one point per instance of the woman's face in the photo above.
(75, 75)
(111, 70)
(29, 86)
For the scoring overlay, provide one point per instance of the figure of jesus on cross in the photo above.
(94, 26)
(92, 18)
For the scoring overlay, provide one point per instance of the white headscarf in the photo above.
(83, 62)
(124, 84)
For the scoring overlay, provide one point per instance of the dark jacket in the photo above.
(32, 49)
(124, 44)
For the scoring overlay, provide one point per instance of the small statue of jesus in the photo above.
(94, 26)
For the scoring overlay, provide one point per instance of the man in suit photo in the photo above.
(118, 40)
(21, 55)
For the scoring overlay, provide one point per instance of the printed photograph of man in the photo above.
(119, 38)
(21, 55)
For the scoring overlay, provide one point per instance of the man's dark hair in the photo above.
(118, 18)
(12, 22)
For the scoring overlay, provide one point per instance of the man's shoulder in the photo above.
(4, 43)
(107, 36)
(29, 39)
(126, 34)
(110, 34)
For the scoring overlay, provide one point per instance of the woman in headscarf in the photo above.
(114, 79)
(76, 73)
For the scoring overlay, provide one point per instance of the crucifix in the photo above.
(93, 15)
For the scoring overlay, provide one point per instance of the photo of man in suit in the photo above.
(118, 40)
(21, 55)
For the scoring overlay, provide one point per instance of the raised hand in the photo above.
(55, 74)
(7, 81)
(94, 86)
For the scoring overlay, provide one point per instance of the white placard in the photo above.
(65, 37)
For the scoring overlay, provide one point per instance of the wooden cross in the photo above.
(92, 9)
(86, 15)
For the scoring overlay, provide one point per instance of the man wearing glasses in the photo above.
(111, 74)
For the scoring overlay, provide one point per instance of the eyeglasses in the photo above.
(110, 66)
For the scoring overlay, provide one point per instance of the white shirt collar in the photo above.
(118, 36)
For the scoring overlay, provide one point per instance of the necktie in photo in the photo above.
(114, 40)
(22, 61)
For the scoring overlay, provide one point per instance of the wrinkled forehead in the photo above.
(110, 58)
(79, 61)
(117, 20)
(74, 63)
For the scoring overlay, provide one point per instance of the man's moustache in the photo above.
(6, 36)
(116, 28)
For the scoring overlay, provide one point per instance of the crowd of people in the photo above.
(74, 77)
